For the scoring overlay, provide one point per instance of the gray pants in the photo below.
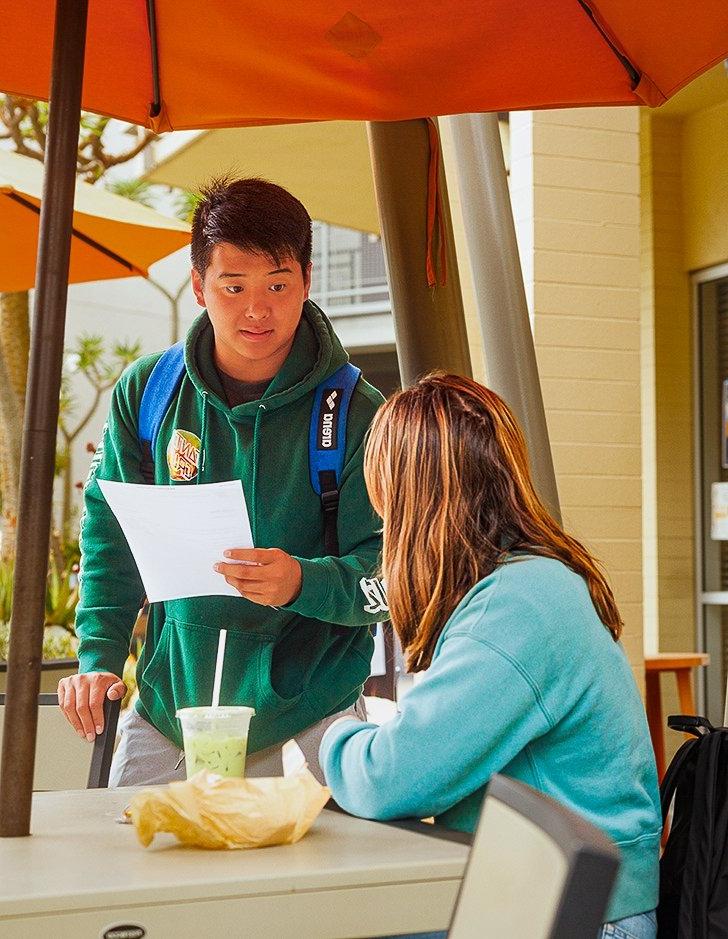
(144, 757)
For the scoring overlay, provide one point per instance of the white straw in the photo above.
(218, 668)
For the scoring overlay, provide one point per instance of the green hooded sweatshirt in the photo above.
(296, 664)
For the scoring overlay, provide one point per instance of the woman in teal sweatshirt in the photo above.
(517, 629)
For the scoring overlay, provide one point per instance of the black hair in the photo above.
(254, 215)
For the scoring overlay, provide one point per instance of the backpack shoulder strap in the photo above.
(672, 776)
(160, 389)
(327, 444)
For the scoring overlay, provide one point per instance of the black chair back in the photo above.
(97, 757)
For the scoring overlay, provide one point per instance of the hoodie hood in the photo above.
(314, 341)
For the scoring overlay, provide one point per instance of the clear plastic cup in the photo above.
(215, 739)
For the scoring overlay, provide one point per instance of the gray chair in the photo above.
(383, 682)
(62, 759)
(536, 870)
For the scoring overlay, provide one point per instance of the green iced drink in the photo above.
(218, 753)
(215, 739)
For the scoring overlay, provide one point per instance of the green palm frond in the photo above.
(136, 190)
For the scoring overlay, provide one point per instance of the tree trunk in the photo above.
(67, 504)
(14, 351)
(15, 338)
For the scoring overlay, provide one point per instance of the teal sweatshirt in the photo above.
(525, 681)
(294, 665)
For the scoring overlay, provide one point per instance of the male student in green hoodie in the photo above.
(298, 647)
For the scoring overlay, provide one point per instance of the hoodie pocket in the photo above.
(160, 654)
(275, 701)
(181, 672)
(306, 674)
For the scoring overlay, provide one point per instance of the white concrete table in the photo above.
(81, 873)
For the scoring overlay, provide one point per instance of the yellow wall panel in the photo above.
(668, 383)
(595, 395)
(613, 119)
(587, 332)
(600, 491)
(580, 267)
(602, 301)
(615, 523)
(575, 425)
(617, 554)
(601, 237)
(563, 203)
(586, 363)
(705, 179)
(587, 143)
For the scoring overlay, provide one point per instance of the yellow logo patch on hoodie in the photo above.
(183, 455)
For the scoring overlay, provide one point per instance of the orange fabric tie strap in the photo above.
(435, 220)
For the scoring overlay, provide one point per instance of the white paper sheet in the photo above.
(177, 534)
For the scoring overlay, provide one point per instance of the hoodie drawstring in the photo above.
(203, 437)
(251, 509)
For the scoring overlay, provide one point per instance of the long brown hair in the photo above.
(446, 467)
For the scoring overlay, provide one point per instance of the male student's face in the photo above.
(255, 307)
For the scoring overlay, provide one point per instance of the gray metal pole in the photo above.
(429, 322)
(510, 357)
(41, 421)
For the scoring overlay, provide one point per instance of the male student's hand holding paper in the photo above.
(195, 524)
(192, 524)
(267, 576)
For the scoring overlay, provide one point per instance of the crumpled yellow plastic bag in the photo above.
(212, 812)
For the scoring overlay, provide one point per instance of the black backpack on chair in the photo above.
(694, 865)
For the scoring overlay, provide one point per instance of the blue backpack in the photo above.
(326, 439)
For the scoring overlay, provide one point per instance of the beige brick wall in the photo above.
(575, 183)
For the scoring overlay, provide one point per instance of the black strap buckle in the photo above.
(330, 500)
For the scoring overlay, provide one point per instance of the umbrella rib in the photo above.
(156, 105)
(633, 72)
(77, 234)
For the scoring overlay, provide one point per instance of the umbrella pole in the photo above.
(510, 356)
(429, 323)
(41, 421)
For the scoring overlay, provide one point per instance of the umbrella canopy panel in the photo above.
(326, 165)
(173, 64)
(112, 236)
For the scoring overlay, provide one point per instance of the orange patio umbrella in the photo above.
(111, 236)
(174, 64)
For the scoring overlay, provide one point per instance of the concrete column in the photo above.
(428, 321)
(510, 358)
